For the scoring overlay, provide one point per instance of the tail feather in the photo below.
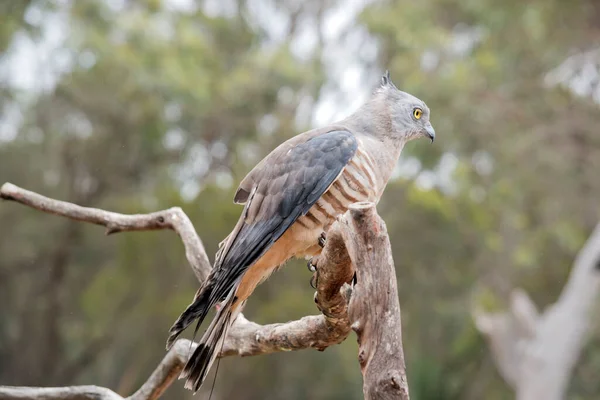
(198, 366)
(197, 310)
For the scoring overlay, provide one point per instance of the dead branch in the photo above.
(536, 352)
(374, 308)
(88, 392)
(162, 377)
(166, 372)
(360, 238)
(173, 218)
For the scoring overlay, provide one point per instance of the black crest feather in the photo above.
(386, 80)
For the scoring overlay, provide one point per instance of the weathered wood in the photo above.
(374, 308)
(173, 218)
(359, 238)
(89, 392)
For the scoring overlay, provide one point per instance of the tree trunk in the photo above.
(536, 354)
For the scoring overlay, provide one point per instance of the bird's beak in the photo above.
(429, 131)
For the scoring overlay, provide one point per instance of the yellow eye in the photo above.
(417, 113)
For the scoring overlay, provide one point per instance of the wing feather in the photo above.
(285, 188)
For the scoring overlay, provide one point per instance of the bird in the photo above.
(291, 198)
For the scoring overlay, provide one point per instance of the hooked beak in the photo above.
(429, 131)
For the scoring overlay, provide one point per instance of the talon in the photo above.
(313, 281)
(322, 239)
(311, 267)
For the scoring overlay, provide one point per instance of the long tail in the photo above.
(199, 364)
(203, 301)
(197, 310)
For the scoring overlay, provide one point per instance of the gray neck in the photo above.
(373, 118)
(372, 124)
(385, 155)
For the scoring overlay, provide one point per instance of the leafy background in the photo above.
(135, 106)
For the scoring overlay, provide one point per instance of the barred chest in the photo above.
(357, 182)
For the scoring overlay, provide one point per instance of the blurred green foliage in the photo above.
(167, 107)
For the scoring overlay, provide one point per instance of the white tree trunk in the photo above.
(536, 353)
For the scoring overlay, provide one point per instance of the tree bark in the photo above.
(374, 308)
(358, 242)
(536, 353)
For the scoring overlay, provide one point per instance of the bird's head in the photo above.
(409, 116)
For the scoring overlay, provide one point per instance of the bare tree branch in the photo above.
(245, 338)
(536, 353)
(89, 392)
(173, 218)
(359, 238)
(162, 377)
(166, 372)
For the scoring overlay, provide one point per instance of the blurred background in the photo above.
(135, 106)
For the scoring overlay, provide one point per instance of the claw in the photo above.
(322, 239)
(312, 268)
(313, 281)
